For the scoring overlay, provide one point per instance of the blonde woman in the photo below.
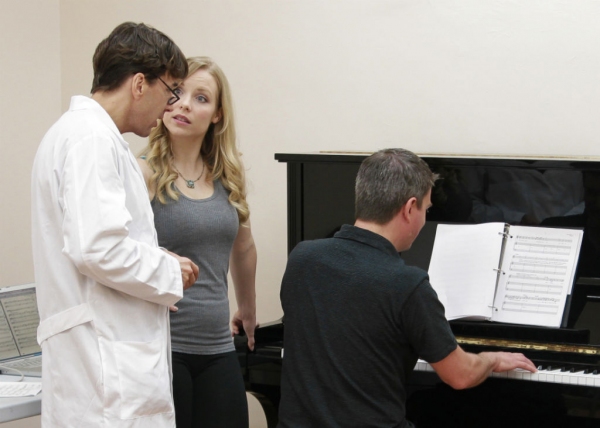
(197, 189)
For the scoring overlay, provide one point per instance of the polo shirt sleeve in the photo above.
(425, 325)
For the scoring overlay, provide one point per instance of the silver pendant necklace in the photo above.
(189, 183)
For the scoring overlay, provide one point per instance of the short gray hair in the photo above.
(386, 180)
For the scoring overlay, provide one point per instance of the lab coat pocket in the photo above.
(144, 381)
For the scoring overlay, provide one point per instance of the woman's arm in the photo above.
(243, 272)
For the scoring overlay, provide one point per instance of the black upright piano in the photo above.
(548, 192)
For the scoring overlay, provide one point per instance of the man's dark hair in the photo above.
(386, 180)
(135, 48)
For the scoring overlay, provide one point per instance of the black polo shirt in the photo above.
(355, 320)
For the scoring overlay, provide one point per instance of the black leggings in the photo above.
(209, 391)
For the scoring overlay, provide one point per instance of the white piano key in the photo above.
(551, 374)
(575, 377)
(525, 375)
(515, 374)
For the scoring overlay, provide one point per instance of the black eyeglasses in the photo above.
(174, 98)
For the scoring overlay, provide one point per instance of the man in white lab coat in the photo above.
(103, 285)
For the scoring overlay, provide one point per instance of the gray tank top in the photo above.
(202, 230)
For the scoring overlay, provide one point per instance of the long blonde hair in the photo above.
(218, 150)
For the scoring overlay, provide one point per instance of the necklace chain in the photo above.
(189, 183)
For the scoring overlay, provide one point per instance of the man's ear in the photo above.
(411, 206)
(405, 211)
(139, 85)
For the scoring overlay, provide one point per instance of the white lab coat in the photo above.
(103, 285)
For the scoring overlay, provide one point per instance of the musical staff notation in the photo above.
(20, 319)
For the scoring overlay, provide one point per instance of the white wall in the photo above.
(452, 76)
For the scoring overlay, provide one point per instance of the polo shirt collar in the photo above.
(367, 237)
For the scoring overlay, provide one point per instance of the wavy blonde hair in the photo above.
(219, 151)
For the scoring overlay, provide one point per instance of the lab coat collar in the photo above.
(80, 102)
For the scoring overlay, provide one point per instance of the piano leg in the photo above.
(268, 397)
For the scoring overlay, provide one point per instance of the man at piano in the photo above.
(357, 318)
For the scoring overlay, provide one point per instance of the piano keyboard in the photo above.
(549, 376)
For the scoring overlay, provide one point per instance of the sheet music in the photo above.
(462, 266)
(8, 346)
(21, 312)
(19, 320)
(538, 271)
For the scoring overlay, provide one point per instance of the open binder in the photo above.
(504, 273)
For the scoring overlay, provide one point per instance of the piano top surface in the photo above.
(506, 159)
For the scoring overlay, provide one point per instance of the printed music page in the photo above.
(537, 275)
(8, 346)
(22, 315)
(464, 268)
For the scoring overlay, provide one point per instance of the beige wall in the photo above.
(29, 104)
(443, 76)
(458, 76)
